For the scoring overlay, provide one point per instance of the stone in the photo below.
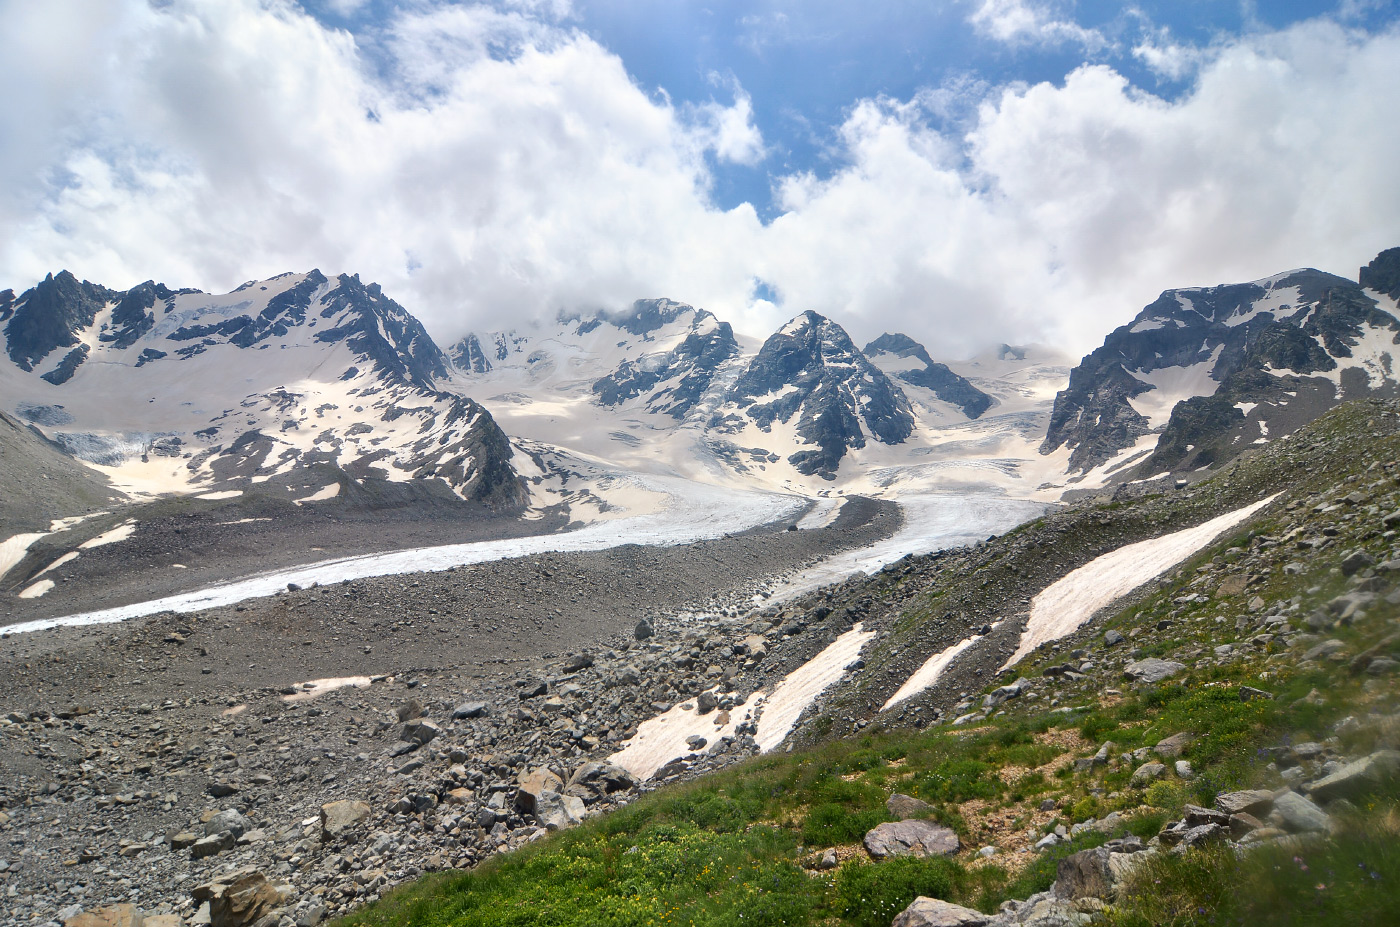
(597, 780)
(1246, 801)
(1243, 823)
(1201, 835)
(410, 710)
(1113, 638)
(1152, 670)
(706, 702)
(1172, 747)
(532, 785)
(1356, 779)
(1296, 813)
(221, 789)
(930, 912)
(578, 662)
(695, 742)
(419, 732)
(183, 840)
(117, 915)
(229, 821)
(1356, 561)
(468, 710)
(1251, 694)
(241, 898)
(643, 630)
(1195, 816)
(911, 838)
(1184, 769)
(338, 817)
(1147, 773)
(905, 807)
(1084, 875)
(556, 812)
(213, 845)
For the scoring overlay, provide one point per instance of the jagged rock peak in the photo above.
(810, 369)
(1216, 369)
(938, 378)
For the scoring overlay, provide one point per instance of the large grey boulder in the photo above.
(419, 732)
(595, 780)
(1357, 779)
(556, 812)
(337, 817)
(229, 821)
(1152, 670)
(931, 912)
(911, 838)
(1296, 813)
(1246, 801)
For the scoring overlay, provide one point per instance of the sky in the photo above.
(968, 172)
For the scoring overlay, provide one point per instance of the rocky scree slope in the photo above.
(1218, 369)
(294, 372)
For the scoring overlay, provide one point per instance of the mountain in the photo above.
(1202, 373)
(180, 390)
(810, 378)
(902, 357)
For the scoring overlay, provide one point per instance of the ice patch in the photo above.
(662, 739)
(322, 494)
(312, 688)
(119, 533)
(801, 687)
(12, 550)
(38, 589)
(928, 674)
(1065, 605)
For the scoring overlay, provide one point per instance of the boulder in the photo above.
(1152, 670)
(1356, 779)
(1084, 875)
(420, 732)
(1246, 801)
(337, 817)
(241, 898)
(532, 785)
(595, 780)
(1172, 747)
(905, 807)
(410, 710)
(229, 821)
(1297, 814)
(468, 710)
(117, 915)
(1148, 773)
(930, 912)
(911, 838)
(556, 812)
(213, 845)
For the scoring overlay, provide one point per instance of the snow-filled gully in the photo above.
(1065, 605)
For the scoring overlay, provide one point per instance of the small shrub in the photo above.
(871, 894)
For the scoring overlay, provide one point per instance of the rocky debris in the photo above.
(911, 838)
(117, 915)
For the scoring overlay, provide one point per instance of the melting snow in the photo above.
(119, 533)
(12, 550)
(38, 589)
(1067, 604)
(663, 738)
(801, 687)
(928, 674)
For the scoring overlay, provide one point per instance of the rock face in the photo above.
(902, 357)
(810, 377)
(1216, 369)
(911, 838)
(284, 352)
(674, 380)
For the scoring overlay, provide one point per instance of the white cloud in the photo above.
(489, 164)
(1027, 22)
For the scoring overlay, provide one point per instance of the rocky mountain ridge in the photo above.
(1214, 370)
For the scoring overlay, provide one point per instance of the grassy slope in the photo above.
(740, 846)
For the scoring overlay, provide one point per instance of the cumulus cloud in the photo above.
(1026, 22)
(490, 163)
